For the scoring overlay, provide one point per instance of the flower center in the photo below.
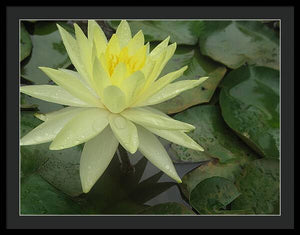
(133, 62)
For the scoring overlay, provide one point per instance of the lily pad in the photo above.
(62, 170)
(199, 66)
(235, 43)
(212, 134)
(210, 169)
(249, 100)
(167, 208)
(40, 197)
(25, 43)
(181, 32)
(213, 194)
(259, 187)
(48, 50)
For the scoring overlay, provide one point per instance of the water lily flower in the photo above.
(109, 98)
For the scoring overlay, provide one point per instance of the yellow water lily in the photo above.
(108, 99)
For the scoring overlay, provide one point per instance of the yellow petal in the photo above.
(153, 70)
(160, 84)
(73, 51)
(100, 77)
(119, 74)
(96, 156)
(113, 46)
(147, 118)
(177, 137)
(47, 116)
(136, 43)
(79, 77)
(73, 85)
(125, 132)
(96, 35)
(159, 48)
(148, 67)
(54, 94)
(139, 58)
(85, 49)
(154, 151)
(48, 130)
(123, 33)
(171, 91)
(81, 128)
(114, 99)
(132, 85)
(93, 29)
(170, 50)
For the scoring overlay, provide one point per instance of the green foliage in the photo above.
(234, 43)
(212, 133)
(40, 197)
(249, 100)
(259, 185)
(213, 194)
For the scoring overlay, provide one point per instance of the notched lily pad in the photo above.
(249, 100)
(212, 134)
(235, 43)
(210, 169)
(213, 194)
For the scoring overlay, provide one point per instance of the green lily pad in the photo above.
(62, 171)
(259, 187)
(181, 32)
(199, 66)
(167, 208)
(40, 197)
(212, 134)
(235, 43)
(25, 43)
(48, 50)
(249, 100)
(213, 194)
(210, 169)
